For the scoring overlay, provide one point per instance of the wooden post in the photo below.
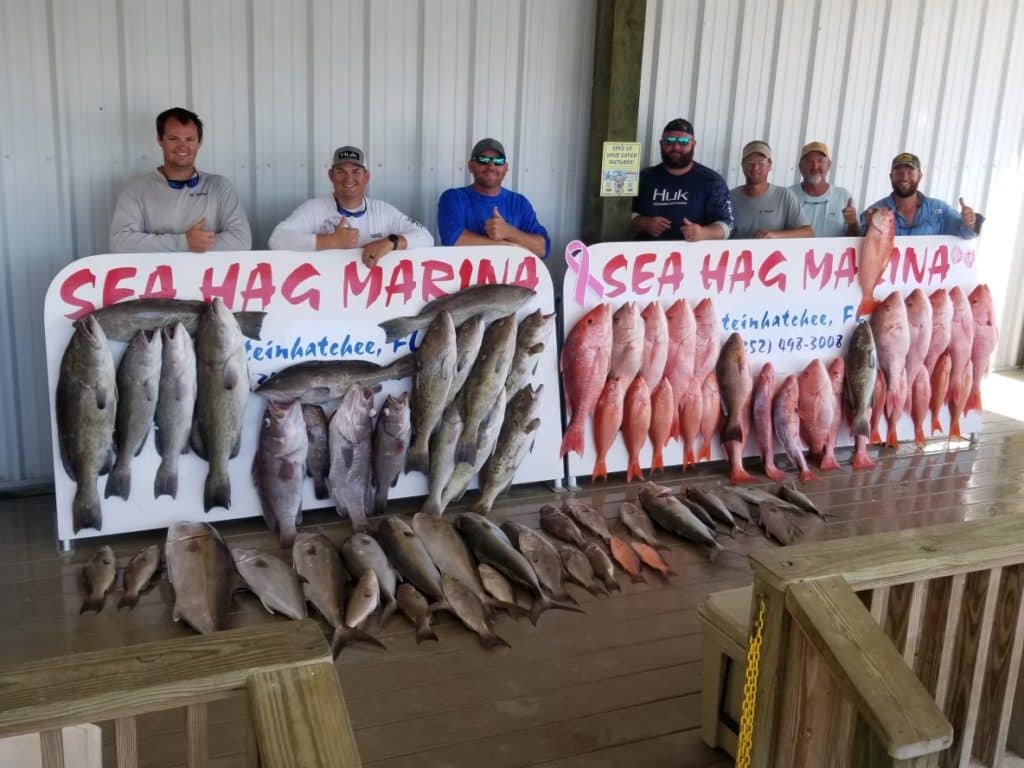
(52, 744)
(614, 107)
(127, 742)
(771, 670)
(197, 748)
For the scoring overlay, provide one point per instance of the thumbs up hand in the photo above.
(966, 214)
(198, 238)
(496, 227)
(850, 214)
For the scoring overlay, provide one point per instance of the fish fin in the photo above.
(119, 481)
(705, 451)
(740, 475)
(320, 490)
(85, 509)
(867, 306)
(973, 402)
(936, 425)
(806, 475)
(217, 491)
(390, 606)
(94, 604)
(250, 324)
(892, 437)
(166, 481)
(128, 600)
(954, 429)
(828, 462)
(237, 446)
(492, 640)
(600, 470)
(657, 460)
(688, 458)
(347, 456)
(424, 633)
(229, 376)
(919, 439)
(573, 440)
(264, 604)
(776, 474)
(101, 396)
(344, 635)
(634, 470)
(876, 436)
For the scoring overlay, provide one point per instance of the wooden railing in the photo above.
(285, 669)
(897, 649)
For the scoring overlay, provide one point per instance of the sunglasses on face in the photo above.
(684, 140)
(488, 160)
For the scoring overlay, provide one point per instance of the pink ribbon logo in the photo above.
(580, 265)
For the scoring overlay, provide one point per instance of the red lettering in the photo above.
(812, 268)
(764, 272)
(485, 273)
(526, 274)
(260, 285)
(716, 275)
(432, 267)
(847, 267)
(163, 277)
(225, 290)
(402, 281)
(70, 286)
(743, 272)
(642, 277)
(912, 264)
(112, 293)
(940, 264)
(352, 283)
(465, 274)
(291, 283)
(616, 286)
(671, 274)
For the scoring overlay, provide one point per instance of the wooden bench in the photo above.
(284, 669)
(725, 620)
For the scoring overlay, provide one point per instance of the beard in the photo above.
(905, 190)
(677, 159)
(814, 178)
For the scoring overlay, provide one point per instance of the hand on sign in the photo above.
(850, 213)
(692, 232)
(375, 251)
(346, 236)
(496, 226)
(199, 240)
(967, 214)
(656, 225)
(764, 234)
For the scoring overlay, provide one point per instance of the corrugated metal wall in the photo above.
(871, 78)
(279, 84)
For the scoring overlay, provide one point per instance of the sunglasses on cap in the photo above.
(488, 160)
(684, 140)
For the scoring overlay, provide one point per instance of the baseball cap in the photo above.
(487, 145)
(814, 146)
(757, 147)
(905, 158)
(681, 125)
(348, 155)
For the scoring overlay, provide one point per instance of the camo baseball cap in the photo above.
(905, 158)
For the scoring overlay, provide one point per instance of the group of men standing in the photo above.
(178, 208)
(680, 199)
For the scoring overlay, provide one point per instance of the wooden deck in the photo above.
(617, 686)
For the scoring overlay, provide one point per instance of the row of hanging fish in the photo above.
(194, 394)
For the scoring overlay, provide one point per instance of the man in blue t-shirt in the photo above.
(917, 214)
(680, 199)
(485, 213)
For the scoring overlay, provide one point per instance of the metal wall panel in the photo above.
(871, 78)
(279, 84)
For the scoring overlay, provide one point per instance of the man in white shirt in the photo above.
(175, 207)
(829, 208)
(349, 219)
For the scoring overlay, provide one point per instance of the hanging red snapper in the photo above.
(836, 374)
(764, 391)
(875, 252)
(663, 405)
(961, 343)
(711, 414)
(942, 327)
(736, 386)
(786, 423)
(891, 328)
(656, 341)
(607, 420)
(815, 407)
(627, 342)
(636, 423)
(584, 365)
(986, 337)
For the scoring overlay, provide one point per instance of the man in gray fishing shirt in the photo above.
(175, 207)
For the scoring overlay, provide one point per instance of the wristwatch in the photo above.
(394, 242)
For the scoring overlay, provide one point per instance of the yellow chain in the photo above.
(750, 691)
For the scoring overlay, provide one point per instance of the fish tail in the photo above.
(867, 306)
(612, 585)
(128, 600)
(860, 425)
(94, 604)
(600, 469)
(166, 481)
(954, 429)
(250, 324)
(892, 437)
(217, 491)
(637, 577)
(689, 459)
(390, 606)
(418, 459)
(432, 507)
(344, 635)
(876, 436)
(320, 488)
(397, 328)
(973, 402)
(85, 509)
(540, 605)
(861, 460)
(919, 435)
(119, 481)
(634, 470)
(828, 463)
(424, 632)
(657, 460)
(573, 440)
(733, 430)
(565, 605)
(740, 475)
(492, 640)
(936, 425)
(286, 535)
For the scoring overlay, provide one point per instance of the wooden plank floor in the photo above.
(616, 686)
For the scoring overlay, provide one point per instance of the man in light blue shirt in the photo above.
(829, 208)
(917, 214)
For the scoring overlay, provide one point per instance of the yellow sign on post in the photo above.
(620, 168)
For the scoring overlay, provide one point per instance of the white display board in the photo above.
(791, 301)
(319, 306)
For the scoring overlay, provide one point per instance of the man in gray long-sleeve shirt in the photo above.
(175, 207)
